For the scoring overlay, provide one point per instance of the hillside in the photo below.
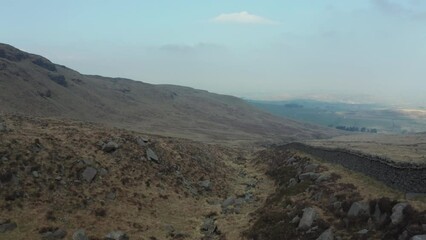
(32, 85)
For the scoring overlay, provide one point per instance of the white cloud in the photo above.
(242, 18)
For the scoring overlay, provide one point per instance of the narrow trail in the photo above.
(249, 189)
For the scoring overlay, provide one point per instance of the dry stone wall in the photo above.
(402, 176)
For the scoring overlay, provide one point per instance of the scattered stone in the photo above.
(206, 185)
(3, 127)
(141, 141)
(337, 205)
(228, 202)
(6, 226)
(309, 215)
(295, 220)
(116, 235)
(362, 232)
(291, 160)
(80, 234)
(111, 196)
(109, 147)
(103, 172)
(311, 167)
(419, 237)
(397, 213)
(152, 156)
(89, 174)
(359, 209)
(209, 227)
(292, 182)
(326, 235)
(309, 176)
(35, 174)
(54, 235)
(323, 178)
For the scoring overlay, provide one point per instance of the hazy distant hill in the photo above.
(31, 84)
(350, 116)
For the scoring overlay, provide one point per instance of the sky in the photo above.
(353, 51)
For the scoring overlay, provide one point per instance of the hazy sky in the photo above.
(354, 50)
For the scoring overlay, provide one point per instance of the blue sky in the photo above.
(364, 50)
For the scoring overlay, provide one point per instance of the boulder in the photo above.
(141, 141)
(116, 235)
(59, 233)
(419, 237)
(152, 156)
(80, 234)
(206, 185)
(359, 209)
(295, 220)
(109, 147)
(309, 176)
(228, 202)
(309, 215)
(311, 167)
(323, 178)
(208, 227)
(292, 182)
(326, 235)
(291, 160)
(398, 213)
(3, 127)
(89, 174)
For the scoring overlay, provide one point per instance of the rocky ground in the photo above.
(312, 202)
(71, 180)
(63, 180)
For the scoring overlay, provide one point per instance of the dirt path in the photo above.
(250, 188)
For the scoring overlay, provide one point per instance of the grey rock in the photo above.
(323, 178)
(403, 235)
(109, 147)
(362, 232)
(103, 172)
(292, 182)
(3, 127)
(295, 220)
(311, 167)
(326, 235)
(309, 176)
(152, 156)
(141, 141)
(169, 229)
(337, 205)
(89, 174)
(35, 174)
(249, 197)
(359, 209)
(116, 235)
(4, 159)
(206, 185)
(111, 196)
(291, 160)
(7, 226)
(80, 234)
(419, 237)
(309, 215)
(59, 233)
(397, 213)
(228, 202)
(209, 227)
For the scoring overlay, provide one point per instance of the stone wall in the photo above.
(402, 176)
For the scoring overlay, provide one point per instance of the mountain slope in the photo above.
(31, 84)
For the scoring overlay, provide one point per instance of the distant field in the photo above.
(333, 114)
(402, 148)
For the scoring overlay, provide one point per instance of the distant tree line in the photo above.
(357, 129)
